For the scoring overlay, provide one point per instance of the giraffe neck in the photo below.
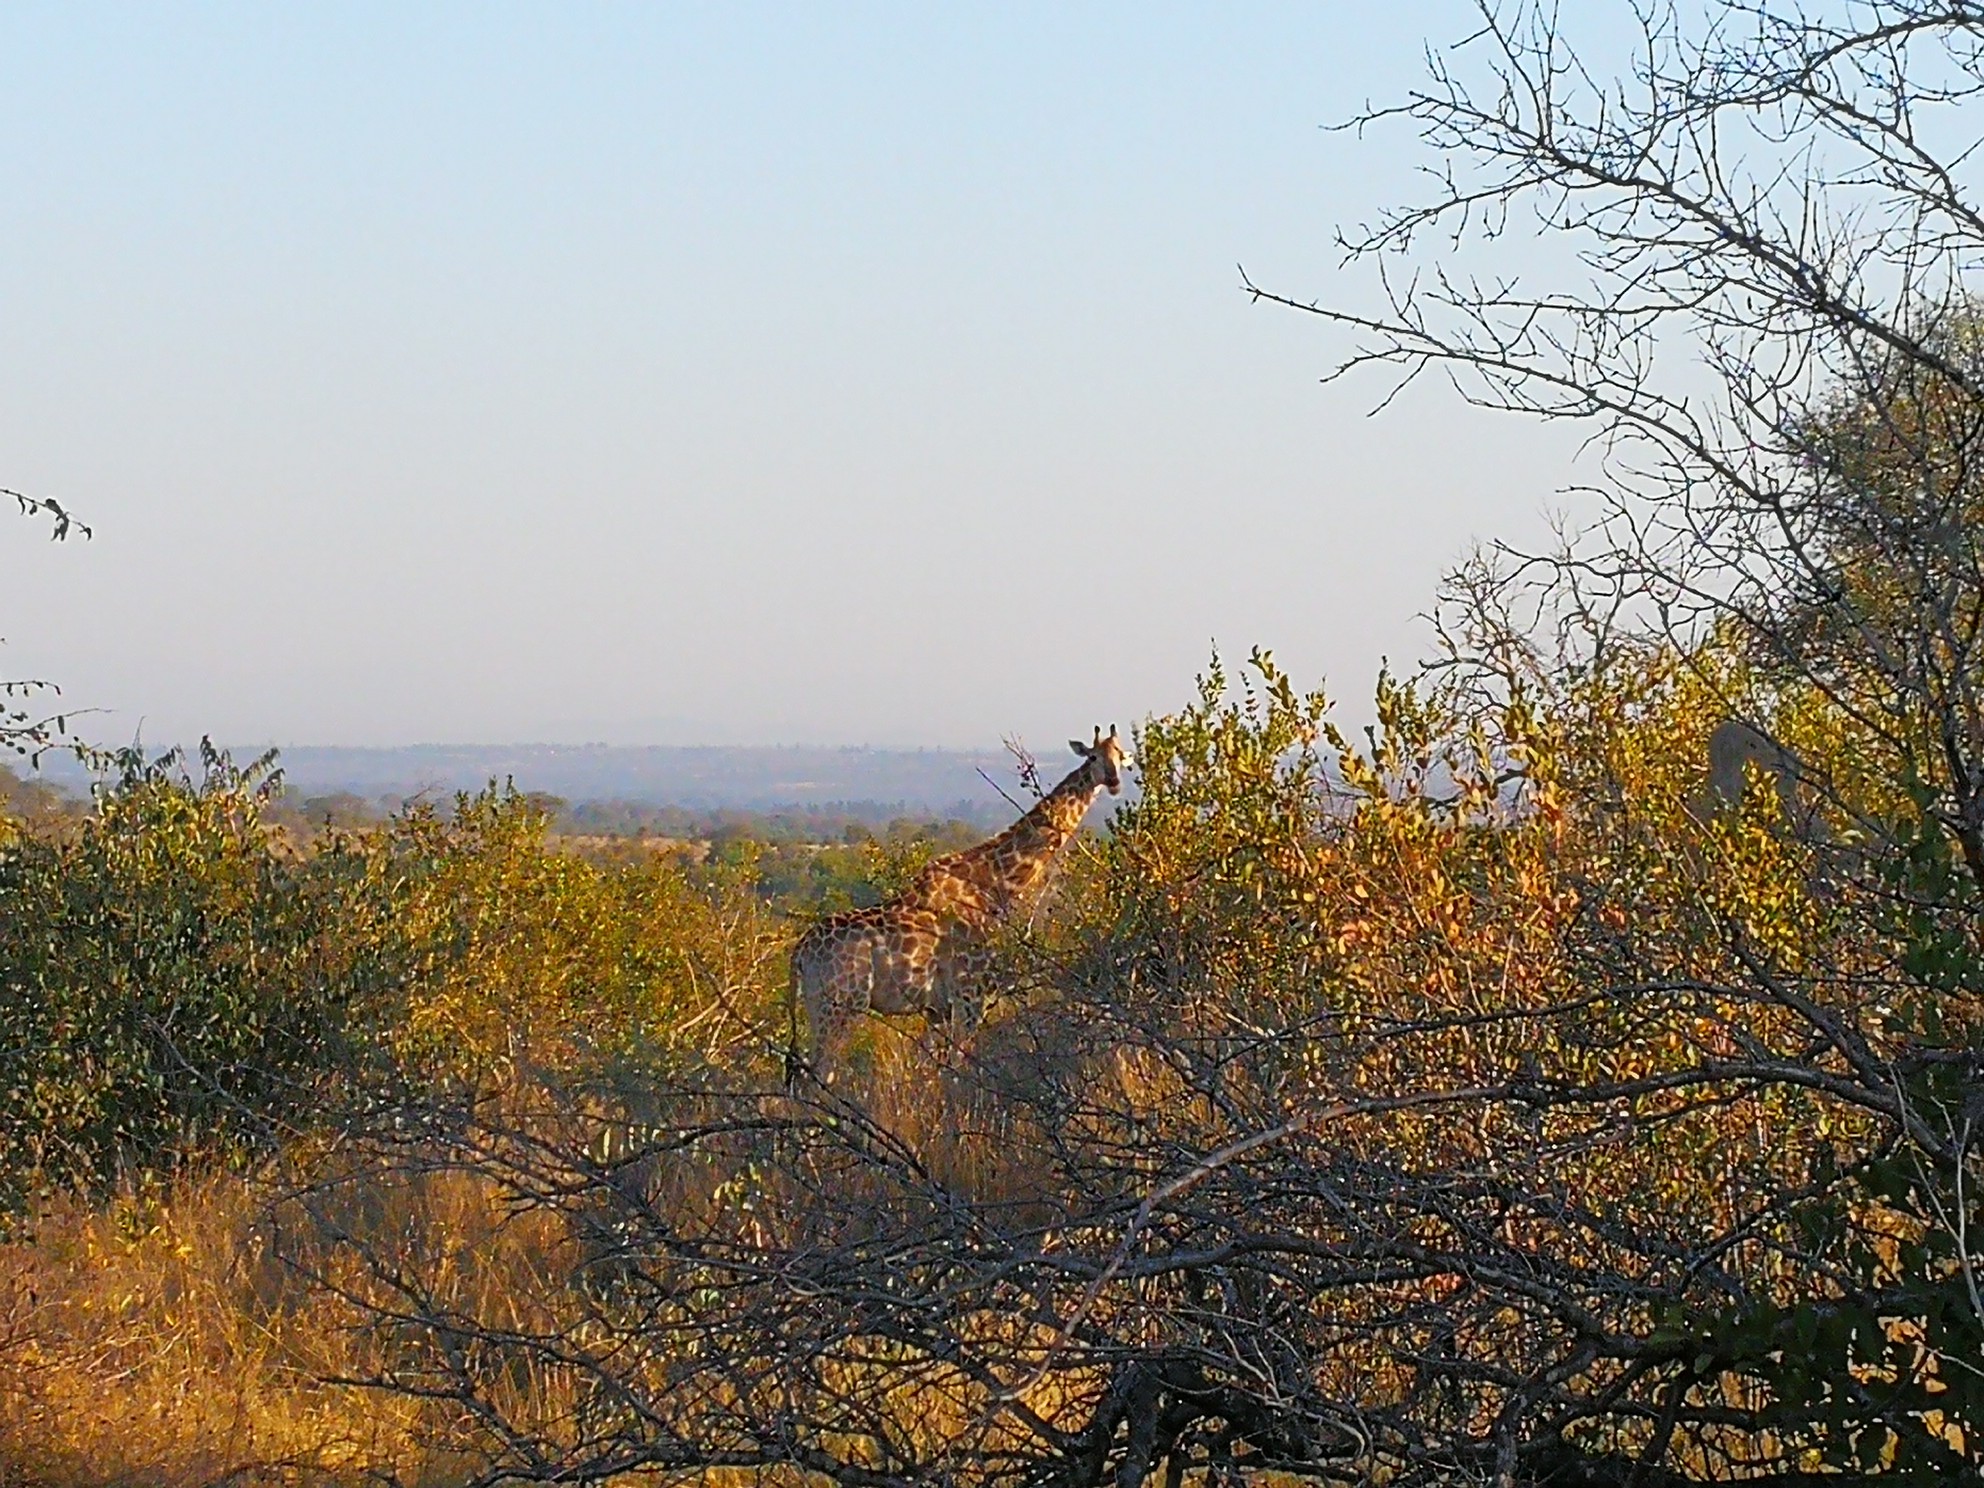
(1010, 865)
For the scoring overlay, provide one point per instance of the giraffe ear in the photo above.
(1080, 748)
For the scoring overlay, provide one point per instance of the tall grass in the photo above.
(157, 1339)
(201, 1331)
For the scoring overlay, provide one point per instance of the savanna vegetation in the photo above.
(1482, 1100)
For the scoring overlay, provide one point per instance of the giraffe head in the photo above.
(1108, 756)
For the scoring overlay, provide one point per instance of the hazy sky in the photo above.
(675, 373)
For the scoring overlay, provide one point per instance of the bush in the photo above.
(510, 949)
(171, 980)
(177, 976)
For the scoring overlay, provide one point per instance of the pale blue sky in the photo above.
(706, 373)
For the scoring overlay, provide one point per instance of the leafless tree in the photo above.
(1423, 1286)
(1768, 321)
(25, 729)
(1768, 236)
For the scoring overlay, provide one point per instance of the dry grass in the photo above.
(184, 1335)
(156, 1340)
(163, 1340)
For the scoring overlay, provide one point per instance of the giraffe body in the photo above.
(927, 950)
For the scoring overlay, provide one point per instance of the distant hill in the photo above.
(940, 782)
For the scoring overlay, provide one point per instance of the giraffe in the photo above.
(925, 951)
(1732, 748)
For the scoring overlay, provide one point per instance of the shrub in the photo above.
(171, 979)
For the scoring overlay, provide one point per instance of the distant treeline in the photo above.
(826, 822)
(751, 777)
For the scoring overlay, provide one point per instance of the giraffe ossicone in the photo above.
(928, 949)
